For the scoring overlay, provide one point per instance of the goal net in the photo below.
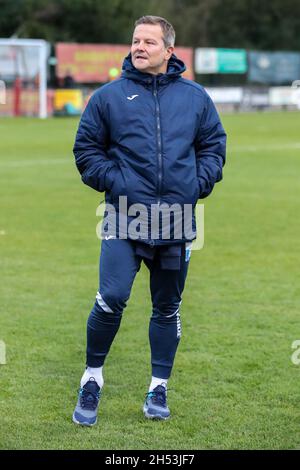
(23, 74)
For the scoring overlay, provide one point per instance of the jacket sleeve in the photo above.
(210, 147)
(90, 148)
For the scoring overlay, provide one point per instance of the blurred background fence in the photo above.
(54, 54)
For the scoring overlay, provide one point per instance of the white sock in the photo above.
(95, 372)
(156, 381)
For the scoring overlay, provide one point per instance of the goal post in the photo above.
(23, 69)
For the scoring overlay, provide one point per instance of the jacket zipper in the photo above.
(159, 140)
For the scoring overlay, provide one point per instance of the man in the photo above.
(156, 139)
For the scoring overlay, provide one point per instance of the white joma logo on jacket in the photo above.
(132, 97)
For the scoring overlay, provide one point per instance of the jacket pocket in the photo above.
(129, 183)
(110, 177)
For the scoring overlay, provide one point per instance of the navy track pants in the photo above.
(119, 265)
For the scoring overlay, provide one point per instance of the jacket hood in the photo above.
(175, 68)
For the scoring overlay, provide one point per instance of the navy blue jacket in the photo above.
(155, 139)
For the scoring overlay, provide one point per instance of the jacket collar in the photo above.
(175, 68)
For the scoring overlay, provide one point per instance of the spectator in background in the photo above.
(68, 81)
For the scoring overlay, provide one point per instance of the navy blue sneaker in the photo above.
(87, 405)
(155, 406)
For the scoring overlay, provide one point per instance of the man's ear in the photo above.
(169, 52)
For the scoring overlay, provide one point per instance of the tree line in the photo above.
(250, 24)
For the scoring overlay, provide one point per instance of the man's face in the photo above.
(148, 51)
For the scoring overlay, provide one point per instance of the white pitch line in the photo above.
(256, 148)
(235, 148)
(22, 163)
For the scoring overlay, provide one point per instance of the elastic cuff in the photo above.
(161, 372)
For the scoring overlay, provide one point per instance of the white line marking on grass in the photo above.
(2, 232)
(234, 148)
(256, 148)
(21, 163)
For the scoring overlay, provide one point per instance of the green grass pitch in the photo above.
(234, 385)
